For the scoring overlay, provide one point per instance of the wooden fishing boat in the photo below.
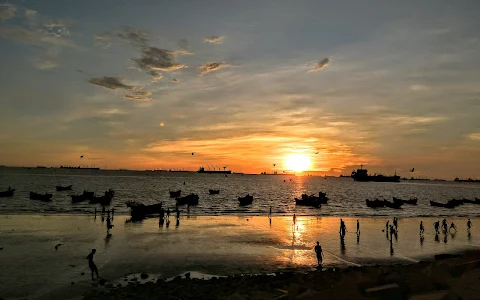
(248, 199)
(175, 194)
(191, 199)
(7, 193)
(411, 201)
(445, 205)
(42, 197)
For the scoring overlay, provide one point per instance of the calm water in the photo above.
(347, 198)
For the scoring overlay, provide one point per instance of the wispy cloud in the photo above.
(214, 39)
(135, 36)
(139, 96)
(7, 11)
(474, 136)
(102, 41)
(156, 76)
(157, 59)
(46, 64)
(111, 83)
(210, 67)
(320, 65)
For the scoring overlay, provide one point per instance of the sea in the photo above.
(346, 196)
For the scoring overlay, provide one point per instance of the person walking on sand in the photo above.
(294, 219)
(395, 222)
(91, 264)
(421, 228)
(452, 226)
(319, 252)
(469, 225)
(343, 228)
(444, 225)
(358, 227)
(437, 226)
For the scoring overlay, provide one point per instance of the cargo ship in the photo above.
(362, 175)
(79, 167)
(202, 170)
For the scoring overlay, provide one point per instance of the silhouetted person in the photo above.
(452, 226)
(109, 225)
(294, 219)
(358, 227)
(444, 225)
(421, 227)
(270, 213)
(91, 264)
(386, 226)
(395, 222)
(469, 225)
(392, 231)
(437, 226)
(319, 252)
(343, 228)
(178, 215)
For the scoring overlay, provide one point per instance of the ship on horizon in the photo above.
(79, 167)
(362, 175)
(202, 170)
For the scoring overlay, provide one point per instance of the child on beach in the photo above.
(91, 264)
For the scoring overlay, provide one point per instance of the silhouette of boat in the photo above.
(7, 193)
(456, 202)
(248, 199)
(445, 205)
(466, 180)
(42, 197)
(307, 202)
(139, 211)
(191, 199)
(312, 200)
(202, 170)
(79, 167)
(375, 203)
(88, 195)
(60, 188)
(214, 192)
(392, 204)
(412, 201)
(362, 175)
(475, 201)
(175, 194)
(78, 198)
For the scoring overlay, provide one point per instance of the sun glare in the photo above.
(297, 162)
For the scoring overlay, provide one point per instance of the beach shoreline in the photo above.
(222, 246)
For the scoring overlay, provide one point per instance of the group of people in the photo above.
(165, 216)
(109, 218)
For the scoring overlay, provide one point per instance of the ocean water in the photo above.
(347, 197)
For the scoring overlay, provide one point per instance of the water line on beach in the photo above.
(343, 260)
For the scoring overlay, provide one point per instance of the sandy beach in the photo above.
(31, 267)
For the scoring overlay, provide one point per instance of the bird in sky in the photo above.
(412, 170)
(274, 165)
(81, 156)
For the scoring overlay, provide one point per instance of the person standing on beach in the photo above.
(395, 222)
(421, 228)
(358, 227)
(386, 226)
(469, 225)
(270, 213)
(294, 219)
(319, 252)
(343, 228)
(452, 226)
(91, 264)
(444, 225)
(436, 225)
(178, 214)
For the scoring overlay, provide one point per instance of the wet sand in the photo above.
(31, 267)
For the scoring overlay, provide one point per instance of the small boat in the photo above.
(7, 193)
(214, 192)
(392, 204)
(248, 199)
(60, 188)
(412, 201)
(140, 210)
(468, 201)
(375, 203)
(191, 199)
(175, 194)
(42, 197)
(88, 195)
(305, 202)
(456, 202)
(445, 205)
(78, 198)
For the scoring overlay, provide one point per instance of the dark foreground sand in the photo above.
(446, 277)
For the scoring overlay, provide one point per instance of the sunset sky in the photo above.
(244, 84)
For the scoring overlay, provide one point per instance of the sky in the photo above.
(392, 85)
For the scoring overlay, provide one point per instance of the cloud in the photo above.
(135, 36)
(157, 59)
(320, 65)
(46, 64)
(139, 96)
(181, 52)
(110, 83)
(102, 41)
(156, 76)
(7, 11)
(214, 39)
(474, 136)
(210, 67)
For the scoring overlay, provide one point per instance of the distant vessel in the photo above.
(41, 167)
(79, 167)
(466, 180)
(362, 175)
(202, 170)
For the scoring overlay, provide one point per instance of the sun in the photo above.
(297, 162)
